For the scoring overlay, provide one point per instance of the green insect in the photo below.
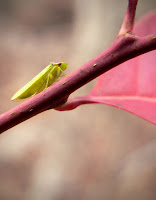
(44, 79)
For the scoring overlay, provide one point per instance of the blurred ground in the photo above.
(94, 152)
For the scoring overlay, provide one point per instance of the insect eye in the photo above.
(60, 63)
(52, 63)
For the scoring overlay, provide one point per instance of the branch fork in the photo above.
(126, 46)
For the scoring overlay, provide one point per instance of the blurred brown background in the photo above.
(94, 152)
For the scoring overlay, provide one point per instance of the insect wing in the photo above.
(44, 79)
(36, 85)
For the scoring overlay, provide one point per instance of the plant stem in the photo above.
(125, 47)
(128, 22)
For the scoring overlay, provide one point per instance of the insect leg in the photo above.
(63, 74)
(48, 79)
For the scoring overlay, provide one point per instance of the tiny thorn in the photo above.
(154, 37)
(11, 113)
(95, 65)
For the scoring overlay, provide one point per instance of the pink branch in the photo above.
(132, 49)
(128, 22)
(124, 48)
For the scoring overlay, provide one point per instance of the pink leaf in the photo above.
(130, 86)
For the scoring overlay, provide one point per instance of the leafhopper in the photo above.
(49, 75)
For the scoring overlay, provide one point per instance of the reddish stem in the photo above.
(127, 46)
(128, 22)
(124, 48)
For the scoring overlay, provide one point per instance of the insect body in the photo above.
(44, 79)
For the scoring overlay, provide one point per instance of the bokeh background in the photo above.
(94, 152)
